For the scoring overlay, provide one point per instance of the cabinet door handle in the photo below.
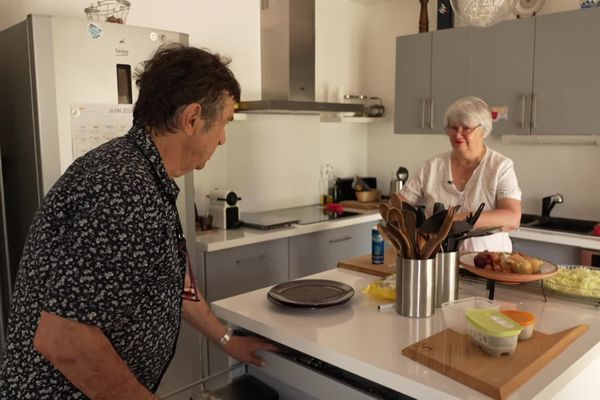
(523, 103)
(258, 257)
(431, 103)
(340, 239)
(534, 100)
(423, 104)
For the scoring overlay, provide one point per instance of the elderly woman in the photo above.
(470, 174)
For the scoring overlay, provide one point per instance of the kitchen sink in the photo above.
(527, 219)
(570, 225)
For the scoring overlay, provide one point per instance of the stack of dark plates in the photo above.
(310, 294)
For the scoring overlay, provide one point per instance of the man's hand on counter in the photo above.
(244, 349)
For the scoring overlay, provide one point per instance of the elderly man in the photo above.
(102, 282)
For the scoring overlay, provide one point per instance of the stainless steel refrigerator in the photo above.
(54, 70)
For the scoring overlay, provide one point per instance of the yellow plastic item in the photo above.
(382, 289)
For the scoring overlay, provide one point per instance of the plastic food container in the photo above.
(493, 331)
(455, 311)
(523, 318)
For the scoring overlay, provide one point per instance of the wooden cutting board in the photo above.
(358, 205)
(363, 264)
(455, 356)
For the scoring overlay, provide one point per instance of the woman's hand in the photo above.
(244, 349)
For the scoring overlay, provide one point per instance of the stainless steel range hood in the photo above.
(288, 61)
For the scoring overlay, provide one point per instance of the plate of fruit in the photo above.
(507, 267)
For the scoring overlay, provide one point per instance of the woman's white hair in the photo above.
(470, 111)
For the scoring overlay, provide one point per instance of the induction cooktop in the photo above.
(300, 215)
(313, 214)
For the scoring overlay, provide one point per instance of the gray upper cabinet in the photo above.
(413, 83)
(450, 72)
(502, 71)
(544, 71)
(432, 70)
(566, 78)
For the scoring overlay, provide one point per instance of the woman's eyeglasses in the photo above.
(464, 130)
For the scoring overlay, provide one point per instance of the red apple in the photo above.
(596, 230)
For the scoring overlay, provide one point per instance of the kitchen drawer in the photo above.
(239, 270)
(242, 269)
(320, 251)
(299, 380)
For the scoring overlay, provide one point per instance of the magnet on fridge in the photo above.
(94, 30)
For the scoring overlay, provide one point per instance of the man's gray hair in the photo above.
(469, 112)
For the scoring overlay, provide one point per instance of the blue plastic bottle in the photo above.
(377, 247)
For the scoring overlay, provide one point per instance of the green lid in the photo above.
(493, 323)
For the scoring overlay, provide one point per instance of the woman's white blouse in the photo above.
(493, 179)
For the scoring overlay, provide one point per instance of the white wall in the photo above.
(282, 170)
(542, 169)
(274, 161)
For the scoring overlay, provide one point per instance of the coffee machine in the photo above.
(223, 208)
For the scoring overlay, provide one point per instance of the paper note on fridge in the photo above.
(94, 124)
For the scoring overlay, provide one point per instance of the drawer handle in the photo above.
(345, 238)
(243, 260)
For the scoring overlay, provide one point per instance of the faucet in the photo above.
(549, 202)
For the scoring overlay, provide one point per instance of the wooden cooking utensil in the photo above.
(410, 224)
(395, 214)
(387, 235)
(396, 201)
(407, 250)
(408, 206)
(421, 241)
(383, 210)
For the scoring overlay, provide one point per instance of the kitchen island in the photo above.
(355, 337)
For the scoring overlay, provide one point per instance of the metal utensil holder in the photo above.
(446, 277)
(415, 287)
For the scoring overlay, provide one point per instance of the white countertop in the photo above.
(562, 238)
(220, 239)
(356, 337)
